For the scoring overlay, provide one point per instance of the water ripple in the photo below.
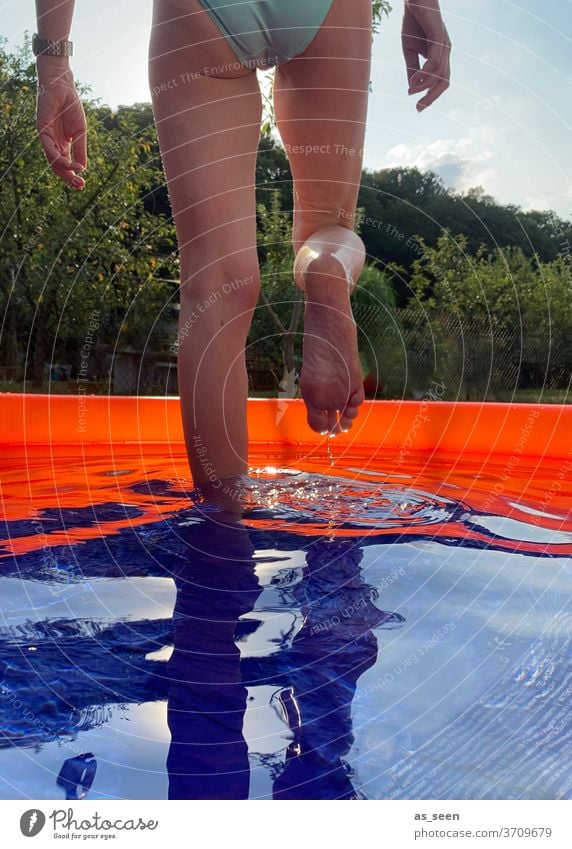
(286, 495)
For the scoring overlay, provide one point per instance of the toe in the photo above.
(333, 426)
(318, 420)
(347, 417)
(351, 410)
(357, 397)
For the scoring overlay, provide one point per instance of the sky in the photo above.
(504, 124)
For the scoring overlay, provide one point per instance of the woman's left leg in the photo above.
(208, 123)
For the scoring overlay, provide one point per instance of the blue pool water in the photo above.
(347, 639)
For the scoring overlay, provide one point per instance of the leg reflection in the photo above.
(208, 756)
(316, 674)
(335, 646)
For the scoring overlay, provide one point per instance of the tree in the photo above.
(379, 328)
(402, 203)
(66, 255)
(281, 298)
(494, 320)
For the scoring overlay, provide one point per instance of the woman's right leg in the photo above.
(321, 107)
(207, 111)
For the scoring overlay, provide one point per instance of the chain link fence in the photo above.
(409, 350)
(403, 353)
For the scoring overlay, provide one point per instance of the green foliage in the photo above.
(375, 288)
(65, 254)
(401, 204)
(502, 286)
(490, 321)
(459, 289)
(379, 9)
(275, 335)
(273, 175)
(379, 328)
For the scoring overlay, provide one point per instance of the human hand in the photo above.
(60, 120)
(425, 34)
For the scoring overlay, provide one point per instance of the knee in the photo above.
(237, 288)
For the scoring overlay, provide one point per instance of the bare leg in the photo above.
(208, 126)
(321, 105)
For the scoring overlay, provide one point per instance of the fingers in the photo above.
(434, 75)
(425, 76)
(80, 148)
(411, 62)
(58, 134)
(62, 165)
(413, 43)
(435, 92)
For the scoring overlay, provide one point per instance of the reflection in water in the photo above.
(208, 757)
(317, 675)
(76, 775)
(87, 629)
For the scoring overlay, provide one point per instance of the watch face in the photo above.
(38, 44)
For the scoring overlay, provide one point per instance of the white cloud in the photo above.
(539, 202)
(555, 202)
(461, 163)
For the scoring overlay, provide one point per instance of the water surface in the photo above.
(364, 632)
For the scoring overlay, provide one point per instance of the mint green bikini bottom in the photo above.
(263, 33)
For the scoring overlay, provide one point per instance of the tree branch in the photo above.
(277, 323)
(296, 313)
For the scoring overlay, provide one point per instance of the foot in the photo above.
(331, 382)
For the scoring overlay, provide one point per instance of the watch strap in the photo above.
(48, 47)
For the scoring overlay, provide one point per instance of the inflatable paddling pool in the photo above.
(390, 619)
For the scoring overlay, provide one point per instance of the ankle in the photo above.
(325, 283)
(335, 253)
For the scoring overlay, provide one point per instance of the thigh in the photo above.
(194, 42)
(321, 108)
(208, 131)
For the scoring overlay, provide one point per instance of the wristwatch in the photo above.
(46, 47)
